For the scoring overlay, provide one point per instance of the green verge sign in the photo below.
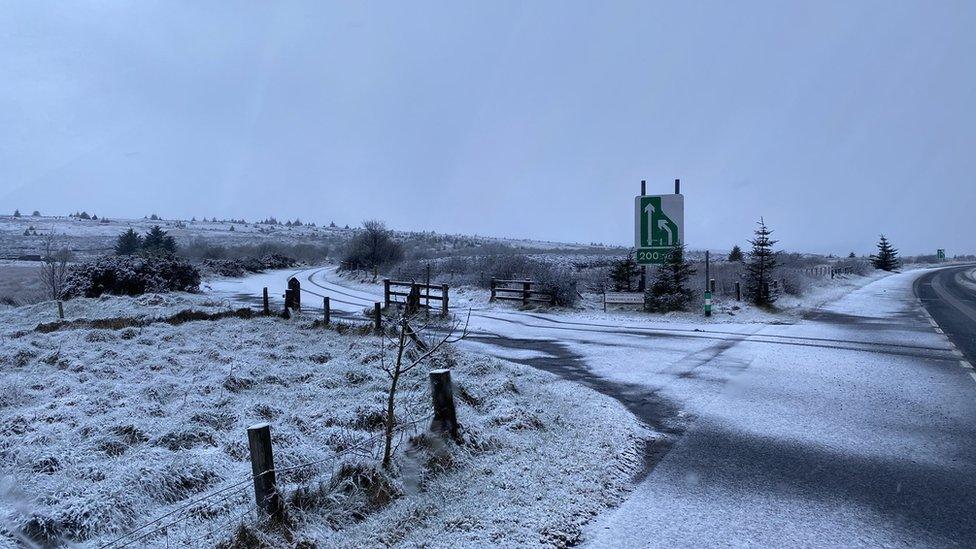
(659, 224)
(940, 253)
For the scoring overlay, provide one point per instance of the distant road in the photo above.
(949, 296)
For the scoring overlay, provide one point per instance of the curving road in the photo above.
(853, 428)
(949, 297)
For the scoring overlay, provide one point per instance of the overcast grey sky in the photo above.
(834, 120)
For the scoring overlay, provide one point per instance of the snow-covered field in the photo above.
(88, 237)
(107, 429)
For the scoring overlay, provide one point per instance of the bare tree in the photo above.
(405, 360)
(373, 248)
(54, 271)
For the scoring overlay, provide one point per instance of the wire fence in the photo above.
(208, 519)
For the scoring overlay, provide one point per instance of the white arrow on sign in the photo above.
(663, 225)
(649, 211)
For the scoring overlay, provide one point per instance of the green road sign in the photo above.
(941, 253)
(659, 224)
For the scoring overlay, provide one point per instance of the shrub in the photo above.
(671, 288)
(132, 275)
(266, 252)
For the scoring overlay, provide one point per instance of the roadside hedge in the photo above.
(132, 275)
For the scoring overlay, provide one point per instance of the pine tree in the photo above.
(623, 272)
(128, 243)
(16, 213)
(735, 254)
(157, 241)
(851, 255)
(887, 257)
(762, 263)
(36, 214)
(671, 289)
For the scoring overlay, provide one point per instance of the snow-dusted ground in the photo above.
(104, 430)
(840, 421)
(87, 237)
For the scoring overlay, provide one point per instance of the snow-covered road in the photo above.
(833, 445)
(854, 427)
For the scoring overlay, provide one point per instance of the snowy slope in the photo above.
(107, 429)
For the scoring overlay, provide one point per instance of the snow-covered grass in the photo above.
(106, 429)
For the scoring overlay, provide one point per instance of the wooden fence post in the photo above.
(386, 292)
(60, 310)
(442, 393)
(444, 298)
(326, 310)
(526, 288)
(413, 300)
(377, 316)
(427, 289)
(267, 308)
(262, 468)
(493, 285)
(296, 293)
(738, 291)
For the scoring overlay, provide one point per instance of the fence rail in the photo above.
(418, 294)
(520, 290)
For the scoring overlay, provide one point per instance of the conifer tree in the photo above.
(16, 213)
(128, 243)
(887, 257)
(157, 241)
(851, 255)
(736, 253)
(762, 263)
(623, 272)
(671, 289)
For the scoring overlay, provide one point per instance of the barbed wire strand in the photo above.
(181, 510)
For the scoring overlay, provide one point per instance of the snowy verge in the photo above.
(726, 309)
(105, 430)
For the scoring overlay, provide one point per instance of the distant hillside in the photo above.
(20, 237)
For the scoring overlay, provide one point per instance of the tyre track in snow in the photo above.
(754, 336)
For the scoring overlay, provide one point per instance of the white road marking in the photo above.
(932, 322)
(973, 374)
(965, 364)
(957, 352)
(939, 331)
